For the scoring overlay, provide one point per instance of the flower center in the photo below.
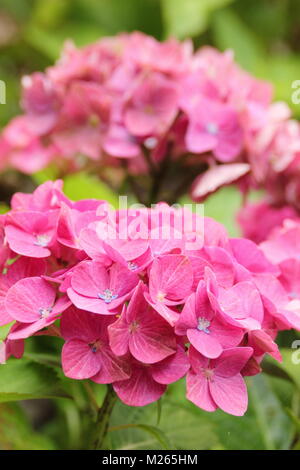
(161, 296)
(42, 240)
(212, 128)
(107, 296)
(94, 120)
(151, 142)
(133, 327)
(45, 312)
(132, 266)
(293, 295)
(95, 346)
(148, 109)
(208, 373)
(203, 325)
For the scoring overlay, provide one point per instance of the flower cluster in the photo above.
(275, 167)
(258, 220)
(282, 248)
(140, 297)
(131, 102)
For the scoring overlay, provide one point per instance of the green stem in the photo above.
(103, 419)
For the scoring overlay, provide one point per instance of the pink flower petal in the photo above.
(230, 394)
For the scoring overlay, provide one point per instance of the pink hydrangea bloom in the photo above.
(140, 301)
(133, 104)
(257, 220)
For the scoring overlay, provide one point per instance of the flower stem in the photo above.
(103, 418)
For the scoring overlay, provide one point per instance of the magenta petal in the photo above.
(83, 325)
(24, 243)
(205, 343)
(119, 336)
(198, 391)
(113, 368)
(197, 360)
(172, 368)
(24, 267)
(89, 279)
(140, 389)
(87, 303)
(78, 360)
(25, 330)
(227, 335)
(232, 361)
(5, 318)
(187, 318)
(167, 313)
(27, 297)
(230, 394)
(172, 277)
(122, 281)
(152, 341)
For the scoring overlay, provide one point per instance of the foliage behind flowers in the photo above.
(140, 312)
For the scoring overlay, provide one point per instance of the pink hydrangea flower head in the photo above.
(138, 309)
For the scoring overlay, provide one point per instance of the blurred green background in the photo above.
(265, 35)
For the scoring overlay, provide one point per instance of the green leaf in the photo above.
(230, 32)
(186, 18)
(82, 186)
(180, 428)
(289, 364)
(49, 173)
(16, 433)
(21, 379)
(3, 208)
(50, 14)
(43, 41)
(159, 410)
(4, 330)
(114, 16)
(273, 422)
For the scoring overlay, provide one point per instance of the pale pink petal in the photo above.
(79, 361)
(172, 368)
(216, 177)
(205, 343)
(87, 303)
(232, 361)
(187, 318)
(90, 278)
(113, 368)
(230, 394)
(198, 391)
(140, 389)
(27, 298)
